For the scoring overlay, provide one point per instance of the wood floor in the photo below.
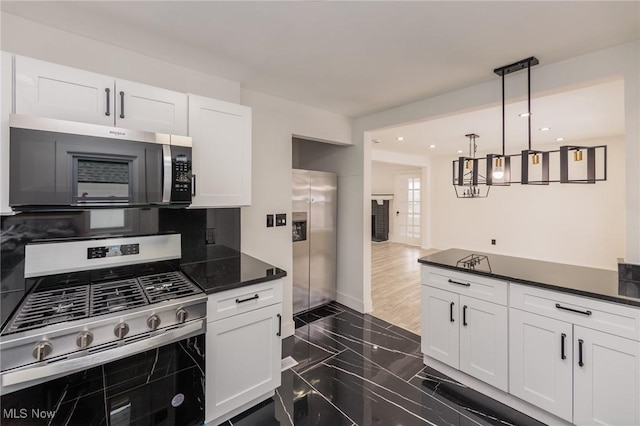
(395, 283)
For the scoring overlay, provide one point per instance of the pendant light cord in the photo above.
(503, 116)
(529, 99)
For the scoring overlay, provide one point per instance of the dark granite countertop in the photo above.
(222, 268)
(591, 282)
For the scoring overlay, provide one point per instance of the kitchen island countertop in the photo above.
(580, 280)
(222, 268)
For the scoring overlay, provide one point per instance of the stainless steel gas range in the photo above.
(95, 301)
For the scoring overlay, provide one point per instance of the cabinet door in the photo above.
(483, 341)
(243, 359)
(440, 332)
(55, 91)
(150, 108)
(538, 372)
(221, 133)
(607, 384)
(6, 105)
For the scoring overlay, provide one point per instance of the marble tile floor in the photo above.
(355, 369)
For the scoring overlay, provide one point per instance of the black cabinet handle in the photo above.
(193, 189)
(559, 306)
(464, 315)
(121, 104)
(279, 333)
(580, 343)
(248, 299)
(108, 92)
(459, 283)
(562, 338)
(451, 312)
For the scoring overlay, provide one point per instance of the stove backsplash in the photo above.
(21, 229)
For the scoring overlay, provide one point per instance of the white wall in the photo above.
(275, 121)
(28, 38)
(569, 223)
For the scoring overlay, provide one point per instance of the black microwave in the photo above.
(56, 164)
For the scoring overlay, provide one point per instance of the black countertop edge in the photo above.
(222, 269)
(616, 298)
(241, 284)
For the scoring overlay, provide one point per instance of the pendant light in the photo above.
(499, 165)
(467, 180)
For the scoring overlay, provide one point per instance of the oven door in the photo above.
(159, 387)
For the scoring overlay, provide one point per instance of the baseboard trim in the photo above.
(350, 302)
(497, 394)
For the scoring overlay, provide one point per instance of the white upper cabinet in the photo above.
(221, 133)
(49, 90)
(6, 108)
(142, 107)
(55, 91)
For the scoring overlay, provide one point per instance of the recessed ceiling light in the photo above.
(400, 138)
(524, 114)
(545, 129)
(559, 139)
(459, 151)
(432, 146)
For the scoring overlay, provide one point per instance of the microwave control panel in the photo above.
(182, 185)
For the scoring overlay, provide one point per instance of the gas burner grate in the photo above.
(51, 307)
(116, 296)
(167, 286)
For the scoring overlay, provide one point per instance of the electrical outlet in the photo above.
(281, 219)
(210, 236)
(493, 242)
(269, 221)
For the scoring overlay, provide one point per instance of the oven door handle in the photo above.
(31, 373)
(166, 173)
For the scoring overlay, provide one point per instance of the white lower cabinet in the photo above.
(466, 333)
(574, 357)
(440, 331)
(243, 353)
(541, 362)
(606, 379)
(483, 341)
(566, 358)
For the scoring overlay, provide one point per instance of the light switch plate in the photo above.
(269, 221)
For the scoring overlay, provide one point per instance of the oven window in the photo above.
(107, 180)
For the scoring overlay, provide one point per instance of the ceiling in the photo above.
(351, 58)
(593, 112)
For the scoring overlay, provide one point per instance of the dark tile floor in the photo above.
(356, 369)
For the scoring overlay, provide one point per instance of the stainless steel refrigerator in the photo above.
(314, 238)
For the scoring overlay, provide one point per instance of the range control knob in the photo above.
(181, 315)
(84, 339)
(153, 322)
(42, 350)
(121, 330)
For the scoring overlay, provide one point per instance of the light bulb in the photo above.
(498, 172)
